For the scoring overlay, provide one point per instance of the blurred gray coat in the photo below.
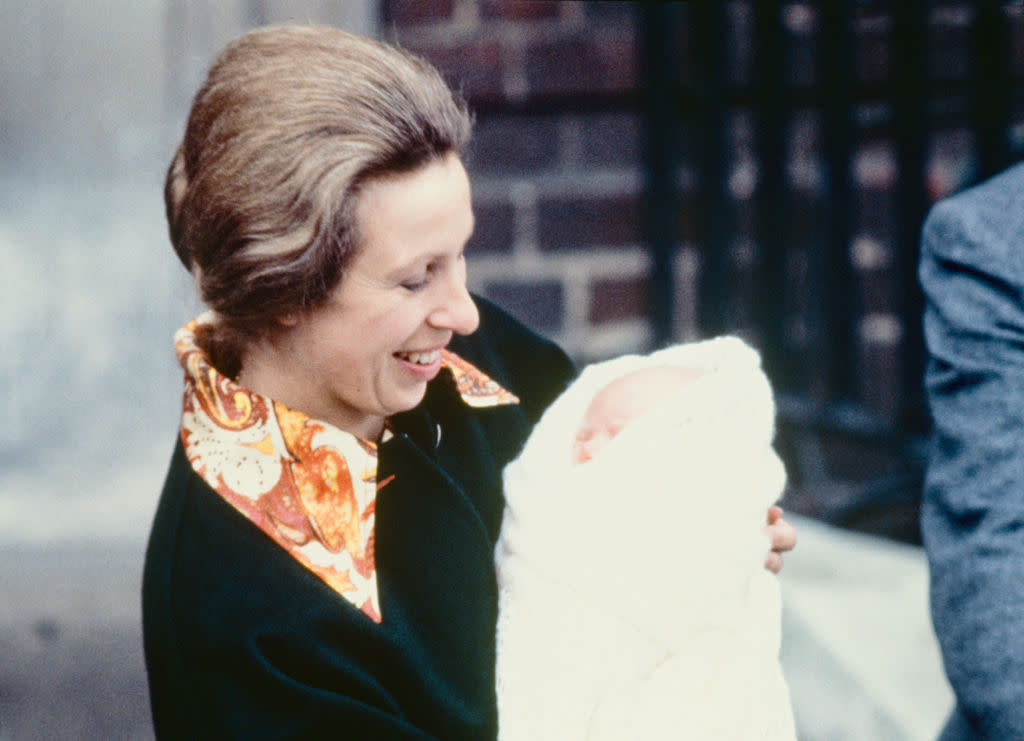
(972, 271)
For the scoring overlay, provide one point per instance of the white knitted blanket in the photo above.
(633, 599)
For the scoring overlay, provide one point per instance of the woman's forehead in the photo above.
(426, 211)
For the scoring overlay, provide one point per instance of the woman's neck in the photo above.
(269, 372)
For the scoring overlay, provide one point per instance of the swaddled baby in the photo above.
(633, 599)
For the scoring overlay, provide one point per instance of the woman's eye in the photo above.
(414, 285)
(420, 281)
(417, 282)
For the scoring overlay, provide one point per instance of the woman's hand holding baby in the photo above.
(782, 536)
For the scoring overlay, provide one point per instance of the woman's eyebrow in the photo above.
(403, 269)
(400, 270)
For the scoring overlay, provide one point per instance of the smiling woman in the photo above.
(321, 562)
(369, 351)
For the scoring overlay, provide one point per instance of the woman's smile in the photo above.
(405, 289)
(425, 363)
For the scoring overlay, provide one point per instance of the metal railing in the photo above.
(817, 378)
(909, 99)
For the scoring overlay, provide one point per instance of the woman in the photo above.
(321, 563)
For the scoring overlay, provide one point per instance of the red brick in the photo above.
(408, 12)
(520, 10)
(494, 231)
(611, 139)
(599, 62)
(611, 10)
(538, 304)
(515, 145)
(615, 299)
(474, 67)
(574, 223)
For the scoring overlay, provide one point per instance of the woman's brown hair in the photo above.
(288, 125)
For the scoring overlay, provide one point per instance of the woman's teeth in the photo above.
(421, 358)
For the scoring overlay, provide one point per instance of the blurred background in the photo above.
(643, 173)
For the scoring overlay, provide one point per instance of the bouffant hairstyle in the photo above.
(289, 124)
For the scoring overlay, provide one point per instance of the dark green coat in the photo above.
(243, 642)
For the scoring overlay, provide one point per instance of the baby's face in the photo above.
(622, 401)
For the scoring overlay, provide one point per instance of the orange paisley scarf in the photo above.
(307, 484)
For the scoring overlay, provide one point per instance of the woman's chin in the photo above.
(407, 398)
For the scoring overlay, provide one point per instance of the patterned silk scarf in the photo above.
(307, 484)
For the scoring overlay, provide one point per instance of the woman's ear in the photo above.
(288, 320)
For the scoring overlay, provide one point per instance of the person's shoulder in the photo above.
(184, 501)
(1000, 190)
(194, 527)
(206, 560)
(527, 364)
(984, 220)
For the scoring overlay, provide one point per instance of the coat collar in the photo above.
(308, 485)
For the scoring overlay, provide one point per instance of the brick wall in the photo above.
(555, 160)
(556, 165)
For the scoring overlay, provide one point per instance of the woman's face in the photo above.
(371, 349)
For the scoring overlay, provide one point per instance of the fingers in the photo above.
(781, 533)
(782, 536)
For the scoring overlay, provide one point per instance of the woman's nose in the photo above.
(457, 311)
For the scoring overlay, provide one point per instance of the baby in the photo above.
(622, 401)
(633, 599)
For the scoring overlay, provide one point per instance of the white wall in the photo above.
(91, 86)
(93, 96)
